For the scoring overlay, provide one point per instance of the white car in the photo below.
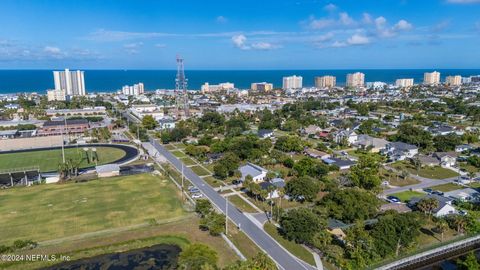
(197, 196)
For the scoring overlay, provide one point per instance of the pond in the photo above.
(158, 257)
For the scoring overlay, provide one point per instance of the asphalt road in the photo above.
(282, 257)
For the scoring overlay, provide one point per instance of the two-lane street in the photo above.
(282, 257)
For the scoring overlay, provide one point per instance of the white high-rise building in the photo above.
(404, 83)
(454, 80)
(133, 90)
(431, 78)
(292, 82)
(56, 95)
(325, 81)
(72, 82)
(207, 88)
(356, 79)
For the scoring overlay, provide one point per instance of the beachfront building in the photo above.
(56, 95)
(355, 80)
(133, 90)
(404, 83)
(292, 82)
(210, 88)
(72, 82)
(261, 86)
(325, 82)
(431, 78)
(453, 80)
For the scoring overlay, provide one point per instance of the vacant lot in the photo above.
(447, 187)
(199, 170)
(435, 172)
(59, 210)
(48, 160)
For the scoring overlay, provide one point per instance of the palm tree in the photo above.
(442, 226)
(460, 222)
(427, 205)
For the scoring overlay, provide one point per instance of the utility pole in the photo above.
(63, 140)
(226, 215)
(182, 184)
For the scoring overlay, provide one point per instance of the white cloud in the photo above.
(133, 48)
(477, 26)
(330, 7)
(221, 19)
(339, 44)
(367, 18)
(358, 39)
(402, 25)
(318, 24)
(54, 52)
(239, 42)
(463, 1)
(345, 19)
(160, 45)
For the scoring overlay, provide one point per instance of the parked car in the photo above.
(197, 195)
(436, 192)
(462, 212)
(428, 190)
(194, 190)
(393, 199)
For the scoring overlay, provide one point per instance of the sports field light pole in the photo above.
(63, 140)
(182, 184)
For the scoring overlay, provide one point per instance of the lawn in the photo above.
(405, 196)
(48, 160)
(212, 181)
(188, 161)
(169, 146)
(53, 211)
(178, 154)
(241, 204)
(199, 170)
(294, 248)
(447, 187)
(436, 172)
(396, 180)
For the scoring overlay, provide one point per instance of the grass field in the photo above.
(241, 204)
(54, 211)
(436, 172)
(178, 154)
(212, 181)
(199, 170)
(188, 161)
(405, 196)
(48, 160)
(446, 187)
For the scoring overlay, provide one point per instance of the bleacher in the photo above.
(19, 177)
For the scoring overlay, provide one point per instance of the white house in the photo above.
(347, 135)
(257, 173)
(400, 150)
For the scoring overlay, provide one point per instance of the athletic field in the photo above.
(52, 211)
(48, 160)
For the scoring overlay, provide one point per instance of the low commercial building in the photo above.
(257, 173)
(99, 110)
(56, 95)
(209, 88)
(69, 126)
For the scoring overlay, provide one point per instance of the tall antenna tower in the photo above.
(181, 96)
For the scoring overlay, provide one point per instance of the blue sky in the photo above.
(262, 34)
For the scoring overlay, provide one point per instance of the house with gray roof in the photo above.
(400, 151)
(257, 173)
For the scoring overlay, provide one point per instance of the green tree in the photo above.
(149, 122)
(203, 207)
(427, 205)
(289, 144)
(196, 256)
(470, 262)
(365, 173)
(301, 225)
(304, 186)
(351, 204)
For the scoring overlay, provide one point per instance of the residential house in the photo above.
(166, 123)
(314, 153)
(257, 173)
(273, 184)
(444, 205)
(400, 151)
(466, 194)
(447, 159)
(265, 133)
(367, 142)
(311, 129)
(342, 164)
(345, 136)
(463, 148)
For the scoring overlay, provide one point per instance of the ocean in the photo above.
(16, 81)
